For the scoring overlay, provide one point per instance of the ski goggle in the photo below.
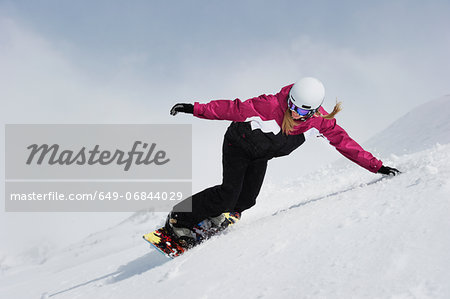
(300, 111)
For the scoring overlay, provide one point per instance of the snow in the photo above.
(418, 129)
(340, 232)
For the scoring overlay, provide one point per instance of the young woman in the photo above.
(263, 127)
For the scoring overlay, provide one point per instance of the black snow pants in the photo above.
(243, 176)
(245, 154)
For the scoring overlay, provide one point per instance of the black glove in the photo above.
(388, 170)
(180, 107)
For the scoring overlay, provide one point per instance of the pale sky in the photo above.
(130, 61)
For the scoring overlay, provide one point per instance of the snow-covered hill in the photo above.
(340, 232)
(419, 129)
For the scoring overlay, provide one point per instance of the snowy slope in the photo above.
(335, 233)
(419, 129)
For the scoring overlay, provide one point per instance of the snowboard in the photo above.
(168, 245)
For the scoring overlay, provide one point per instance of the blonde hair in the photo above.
(289, 123)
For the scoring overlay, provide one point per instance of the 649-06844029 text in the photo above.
(99, 195)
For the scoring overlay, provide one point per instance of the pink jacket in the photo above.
(266, 112)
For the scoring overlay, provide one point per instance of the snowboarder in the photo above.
(263, 127)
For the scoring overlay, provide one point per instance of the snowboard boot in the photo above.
(219, 222)
(225, 219)
(184, 235)
(234, 217)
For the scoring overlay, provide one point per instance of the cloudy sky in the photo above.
(129, 62)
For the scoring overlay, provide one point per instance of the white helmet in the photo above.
(307, 93)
